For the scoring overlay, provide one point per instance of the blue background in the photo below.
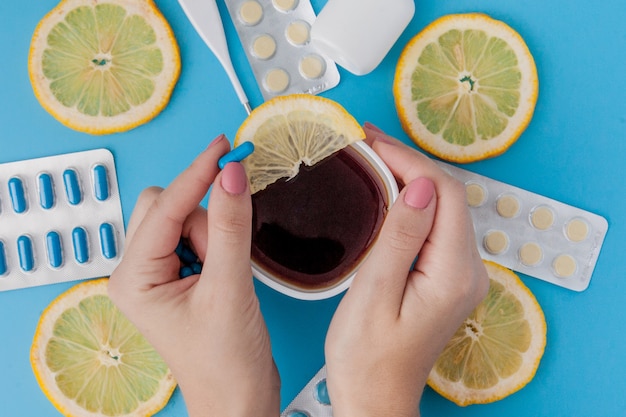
(573, 151)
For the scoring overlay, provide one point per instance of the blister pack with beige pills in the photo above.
(533, 234)
(275, 35)
(60, 219)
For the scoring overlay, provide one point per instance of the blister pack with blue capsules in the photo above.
(60, 219)
(313, 400)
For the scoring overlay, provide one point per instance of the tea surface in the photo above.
(314, 228)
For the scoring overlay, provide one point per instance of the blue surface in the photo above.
(573, 151)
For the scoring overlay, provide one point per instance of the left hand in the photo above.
(207, 327)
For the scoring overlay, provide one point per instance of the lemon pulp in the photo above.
(103, 67)
(465, 87)
(91, 361)
(291, 130)
(497, 350)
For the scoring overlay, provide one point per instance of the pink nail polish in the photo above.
(216, 140)
(378, 134)
(370, 126)
(234, 179)
(419, 193)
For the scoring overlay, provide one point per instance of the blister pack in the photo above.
(533, 234)
(60, 219)
(313, 400)
(275, 35)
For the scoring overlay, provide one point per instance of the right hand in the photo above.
(398, 315)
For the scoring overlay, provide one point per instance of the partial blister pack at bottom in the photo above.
(313, 400)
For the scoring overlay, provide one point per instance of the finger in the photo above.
(381, 281)
(144, 201)
(227, 258)
(452, 219)
(161, 228)
(413, 159)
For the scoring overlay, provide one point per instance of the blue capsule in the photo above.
(3, 259)
(25, 253)
(100, 183)
(107, 241)
(321, 392)
(46, 191)
(72, 187)
(187, 255)
(54, 249)
(185, 272)
(297, 414)
(81, 245)
(196, 267)
(238, 154)
(18, 196)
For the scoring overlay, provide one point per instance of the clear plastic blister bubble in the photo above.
(532, 234)
(313, 400)
(60, 219)
(275, 35)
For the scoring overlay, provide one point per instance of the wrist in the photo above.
(241, 405)
(260, 397)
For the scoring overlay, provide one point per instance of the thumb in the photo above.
(227, 259)
(381, 280)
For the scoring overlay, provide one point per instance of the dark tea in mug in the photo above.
(310, 233)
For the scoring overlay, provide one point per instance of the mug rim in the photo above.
(391, 187)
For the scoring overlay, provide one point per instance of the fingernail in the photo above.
(370, 126)
(378, 134)
(419, 193)
(216, 140)
(234, 179)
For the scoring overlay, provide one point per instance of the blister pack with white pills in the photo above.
(533, 234)
(275, 35)
(313, 400)
(60, 219)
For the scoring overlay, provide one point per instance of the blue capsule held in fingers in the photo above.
(81, 245)
(72, 187)
(107, 241)
(18, 196)
(54, 249)
(25, 253)
(236, 155)
(3, 259)
(46, 191)
(100, 183)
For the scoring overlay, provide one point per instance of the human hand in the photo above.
(208, 327)
(397, 317)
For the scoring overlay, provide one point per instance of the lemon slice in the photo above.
(465, 87)
(291, 130)
(103, 67)
(497, 350)
(91, 361)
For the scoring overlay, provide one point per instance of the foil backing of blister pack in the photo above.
(313, 400)
(532, 234)
(275, 35)
(60, 219)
